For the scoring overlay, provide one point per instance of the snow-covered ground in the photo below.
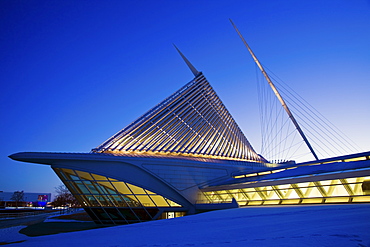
(336, 225)
(11, 234)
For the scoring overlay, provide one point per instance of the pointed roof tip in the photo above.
(232, 23)
(191, 67)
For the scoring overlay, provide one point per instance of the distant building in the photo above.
(187, 155)
(29, 199)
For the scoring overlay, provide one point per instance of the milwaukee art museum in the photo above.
(187, 155)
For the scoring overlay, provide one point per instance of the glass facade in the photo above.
(348, 190)
(109, 201)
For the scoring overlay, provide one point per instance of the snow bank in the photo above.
(11, 234)
(337, 225)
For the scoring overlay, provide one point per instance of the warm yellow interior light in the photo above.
(312, 200)
(251, 175)
(361, 199)
(356, 159)
(327, 191)
(337, 199)
(275, 171)
(254, 203)
(291, 201)
(264, 173)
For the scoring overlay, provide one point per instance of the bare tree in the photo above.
(64, 197)
(18, 196)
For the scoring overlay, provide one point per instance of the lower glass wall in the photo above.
(170, 215)
(109, 201)
(349, 190)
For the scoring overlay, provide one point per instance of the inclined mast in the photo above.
(276, 93)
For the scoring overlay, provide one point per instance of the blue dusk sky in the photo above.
(73, 73)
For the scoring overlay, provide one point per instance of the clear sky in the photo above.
(73, 73)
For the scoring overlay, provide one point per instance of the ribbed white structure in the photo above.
(192, 121)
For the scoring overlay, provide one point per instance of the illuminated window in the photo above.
(113, 201)
(326, 191)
